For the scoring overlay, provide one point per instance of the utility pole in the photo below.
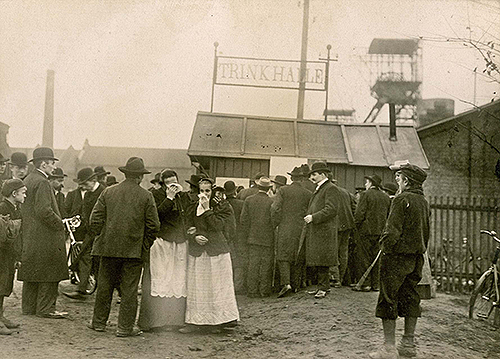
(48, 118)
(303, 62)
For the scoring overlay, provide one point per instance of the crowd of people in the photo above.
(194, 250)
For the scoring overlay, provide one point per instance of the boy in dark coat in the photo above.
(14, 193)
(258, 233)
(404, 241)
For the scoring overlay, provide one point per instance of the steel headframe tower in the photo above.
(396, 76)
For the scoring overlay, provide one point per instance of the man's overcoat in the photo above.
(125, 221)
(288, 211)
(321, 239)
(43, 236)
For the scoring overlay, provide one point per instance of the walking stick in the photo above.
(365, 275)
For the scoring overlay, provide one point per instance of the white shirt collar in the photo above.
(96, 186)
(320, 183)
(39, 170)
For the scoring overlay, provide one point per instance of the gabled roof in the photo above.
(118, 156)
(492, 108)
(239, 136)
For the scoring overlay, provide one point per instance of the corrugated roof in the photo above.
(238, 136)
(393, 46)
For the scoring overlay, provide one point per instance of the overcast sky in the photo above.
(135, 73)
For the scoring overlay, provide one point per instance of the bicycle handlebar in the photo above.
(491, 234)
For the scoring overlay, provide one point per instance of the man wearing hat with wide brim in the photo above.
(125, 223)
(18, 165)
(321, 232)
(404, 242)
(101, 174)
(56, 180)
(111, 180)
(288, 211)
(278, 182)
(370, 216)
(253, 189)
(44, 250)
(258, 232)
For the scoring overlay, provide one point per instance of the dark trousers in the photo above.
(239, 259)
(290, 273)
(260, 270)
(323, 277)
(122, 273)
(84, 268)
(399, 277)
(368, 248)
(338, 272)
(39, 297)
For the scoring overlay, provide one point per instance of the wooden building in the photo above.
(238, 146)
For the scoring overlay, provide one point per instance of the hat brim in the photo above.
(103, 173)
(54, 177)
(19, 164)
(277, 182)
(141, 172)
(192, 183)
(2, 160)
(321, 170)
(44, 158)
(84, 180)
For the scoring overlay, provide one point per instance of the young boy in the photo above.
(14, 193)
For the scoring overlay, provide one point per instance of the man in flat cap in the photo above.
(404, 241)
(125, 222)
(44, 251)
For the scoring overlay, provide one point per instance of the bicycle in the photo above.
(485, 298)
(75, 248)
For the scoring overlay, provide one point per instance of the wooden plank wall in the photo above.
(350, 177)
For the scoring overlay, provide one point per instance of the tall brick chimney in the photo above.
(48, 118)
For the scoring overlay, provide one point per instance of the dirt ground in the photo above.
(342, 325)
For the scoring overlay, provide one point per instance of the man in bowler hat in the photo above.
(18, 165)
(44, 251)
(404, 241)
(125, 223)
(321, 219)
(56, 179)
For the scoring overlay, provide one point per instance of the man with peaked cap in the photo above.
(239, 250)
(370, 216)
(101, 174)
(253, 189)
(84, 261)
(403, 241)
(258, 232)
(288, 211)
(322, 216)
(57, 183)
(44, 251)
(125, 223)
(18, 165)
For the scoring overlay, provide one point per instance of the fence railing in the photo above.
(457, 251)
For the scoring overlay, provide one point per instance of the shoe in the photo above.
(133, 333)
(362, 289)
(4, 330)
(75, 295)
(188, 329)
(336, 284)
(407, 350)
(9, 324)
(320, 294)
(284, 291)
(375, 289)
(96, 328)
(312, 292)
(53, 315)
(385, 352)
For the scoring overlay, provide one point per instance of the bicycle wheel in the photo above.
(92, 284)
(482, 301)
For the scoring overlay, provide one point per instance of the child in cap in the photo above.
(14, 193)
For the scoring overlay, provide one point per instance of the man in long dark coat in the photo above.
(250, 191)
(288, 211)
(126, 222)
(44, 252)
(258, 232)
(321, 219)
(371, 214)
(239, 250)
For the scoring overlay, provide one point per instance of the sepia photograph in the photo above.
(249, 179)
